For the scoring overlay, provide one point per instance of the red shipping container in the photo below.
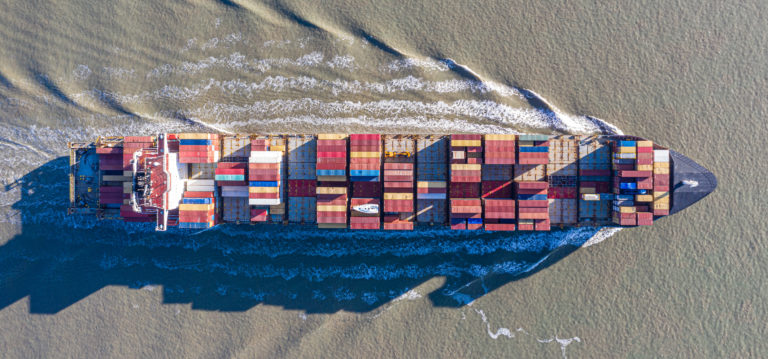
(635, 173)
(645, 161)
(229, 171)
(366, 189)
(301, 188)
(337, 154)
(522, 210)
(533, 161)
(645, 183)
(364, 148)
(431, 190)
(195, 216)
(331, 166)
(233, 165)
(525, 227)
(332, 160)
(644, 150)
(405, 184)
(603, 187)
(364, 226)
(624, 167)
(364, 167)
(358, 160)
(198, 148)
(264, 195)
(400, 226)
(542, 225)
(628, 222)
(496, 189)
(499, 227)
(259, 214)
(501, 161)
(532, 203)
(231, 183)
(331, 142)
(398, 205)
(456, 225)
(463, 179)
(660, 212)
(263, 166)
(193, 194)
(398, 166)
(642, 208)
(464, 190)
(532, 185)
(645, 155)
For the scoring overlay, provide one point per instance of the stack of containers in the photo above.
(465, 214)
(531, 183)
(562, 172)
(364, 173)
(497, 176)
(302, 179)
(111, 190)
(466, 176)
(199, 148)
(644, 167)
(398, 182)
(532, 206)
(264, 177)
(432, 179)
(235, 206)
(331, 180)
(197, 209)
(626, 180)
(361, 219)
(277, 211)
(533, 149)
(661, 182)
(595, 197)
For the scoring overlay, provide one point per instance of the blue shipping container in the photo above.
(627, 143)
(262, 183)
(195, 142)
(534, 149)
(196, 201)
(630, 185)
(365, 179)
(364, 173)
(331, 172)
(474, 221)
(532, 197)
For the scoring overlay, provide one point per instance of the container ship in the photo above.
(492, 182)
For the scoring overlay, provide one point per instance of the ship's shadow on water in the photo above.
(57, 260)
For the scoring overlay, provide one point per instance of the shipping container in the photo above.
(432, 149)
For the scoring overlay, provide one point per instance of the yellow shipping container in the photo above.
(465, 143)
(331, 208)
(660, 205)
(645, 167)
(431, 184)
(332, 225)
(398, 195)
(644, 198)
(661, 164)
(195, 207)
(466, 167)
(644, 144)
(627, 210)
(524, 221)
(331, 190)
(661, 171)
(277, 148)
(500, 137)
(196, 136)
(627, 149)
(332, 136)
(365, 154)
(263, 189)
(332, 178)
(588, 190)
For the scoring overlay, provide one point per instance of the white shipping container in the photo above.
(263, 202)
(590, 197)
(266, 157)
(201, 188)
(200, 182)
(661, 156)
